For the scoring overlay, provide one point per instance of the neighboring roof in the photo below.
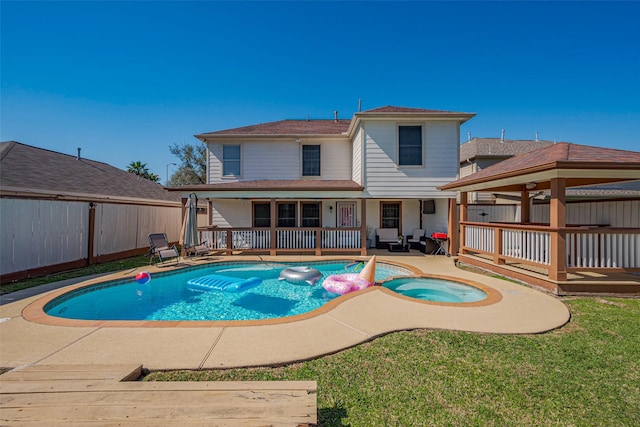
(27, 169)
(341, 127)
(276, 185)
(287, 127)
(617, 165)
(498, 148)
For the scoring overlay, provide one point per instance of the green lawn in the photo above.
(584, 374)
(107, 267)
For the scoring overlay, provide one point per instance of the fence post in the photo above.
(91, 232)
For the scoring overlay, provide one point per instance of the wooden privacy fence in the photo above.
(41, 236)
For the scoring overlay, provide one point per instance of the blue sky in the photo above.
(125, 80)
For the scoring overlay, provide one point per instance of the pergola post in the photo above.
(557, 221)
(453, 226)
(464, 215)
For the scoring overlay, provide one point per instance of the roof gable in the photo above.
(33, 169)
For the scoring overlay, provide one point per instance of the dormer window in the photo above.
(231, 160)
(409, 145)
(310, 160)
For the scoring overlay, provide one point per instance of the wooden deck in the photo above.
(109, 395)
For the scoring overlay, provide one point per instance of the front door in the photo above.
(346, 214)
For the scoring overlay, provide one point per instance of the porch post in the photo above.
(453, 226)
(558, 222)
(464, 214)
(272, 231)
(525, 207)
(363, 227)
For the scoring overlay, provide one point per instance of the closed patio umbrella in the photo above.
(191, 223)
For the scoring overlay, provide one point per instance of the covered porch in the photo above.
(315, 217)
(593, 256)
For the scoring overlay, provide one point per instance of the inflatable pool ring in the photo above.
(143, 277)
(344, 283)
(300, 275)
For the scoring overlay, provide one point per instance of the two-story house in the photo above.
(330, 185)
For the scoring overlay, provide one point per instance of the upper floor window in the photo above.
(231, 160)
(410, 145)
(310, 160)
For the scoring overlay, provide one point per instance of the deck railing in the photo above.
(586, 247)
(285, 239)
(603, 249)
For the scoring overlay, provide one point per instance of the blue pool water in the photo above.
(168, 297)
(435, 289)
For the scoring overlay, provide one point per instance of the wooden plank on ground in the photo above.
(86, 398)
(127, 372)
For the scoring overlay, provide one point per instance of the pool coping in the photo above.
(35, 311)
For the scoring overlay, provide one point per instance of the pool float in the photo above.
(300, 275)
(344, 283)
(216, 282)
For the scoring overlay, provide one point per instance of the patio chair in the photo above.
(201, 249)
(159, 247)
(414, 239)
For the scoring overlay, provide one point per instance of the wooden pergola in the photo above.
(547, 254)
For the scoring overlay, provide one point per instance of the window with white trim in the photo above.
(410, 145)
(310, 160)
(231, 160)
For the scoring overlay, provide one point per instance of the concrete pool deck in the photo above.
(359, 318)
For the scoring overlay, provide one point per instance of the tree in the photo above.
(193, 169)
(140, 169)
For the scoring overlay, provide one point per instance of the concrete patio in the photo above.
(374, 312)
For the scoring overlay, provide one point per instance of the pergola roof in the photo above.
(579, 164)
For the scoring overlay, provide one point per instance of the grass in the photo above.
(107, 267)
(584, 374)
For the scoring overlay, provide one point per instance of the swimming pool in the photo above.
(437, 290)
(168, 296)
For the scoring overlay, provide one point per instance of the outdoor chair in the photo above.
(201, 249)
(414, 239)
(384, 236)
(159, 247)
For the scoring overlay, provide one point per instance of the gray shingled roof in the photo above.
(322, 127)
(497, 148)
(33, 169)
